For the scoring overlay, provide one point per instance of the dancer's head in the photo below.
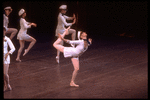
(82, 35)
(22, 13)
(63, 9)
(7, 10)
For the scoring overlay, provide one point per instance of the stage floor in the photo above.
(109, 69)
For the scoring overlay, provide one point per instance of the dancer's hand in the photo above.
(90, 40)
(33, 24)
(74, 16)
(74, 21)
(6, 55)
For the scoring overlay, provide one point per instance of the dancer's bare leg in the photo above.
(6, 76)
(75, 62)
(33, 41)
(58, 44)
(58, 53)
(73, 33)
(12, 31)
(22, 43)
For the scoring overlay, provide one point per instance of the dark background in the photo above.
(98, 18)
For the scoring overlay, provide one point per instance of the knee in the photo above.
(34, 40)
(74, 31)
(54, 45)
(76, 69)
(6, 75)
(15, 31)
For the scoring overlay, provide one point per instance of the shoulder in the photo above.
(7, 38)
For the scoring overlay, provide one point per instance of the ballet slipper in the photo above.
(57, 59)
(25, 52)
(18, 60)
(73, 84)
(9, 88)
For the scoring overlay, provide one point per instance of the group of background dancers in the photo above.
(77, 48)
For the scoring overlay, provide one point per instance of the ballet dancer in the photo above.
(6, 59)
(61, 26)
(12, 31)
(23, 36)
(73, 52)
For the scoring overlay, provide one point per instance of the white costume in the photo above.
(7, 42)
(62, 23)
(75, 52)
(22, 35)
(5, 21)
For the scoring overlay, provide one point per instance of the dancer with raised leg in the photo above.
(61, 26)
(73, 52)
(23, 36)
(12, 31)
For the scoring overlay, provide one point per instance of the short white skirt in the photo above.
(59, 31)
(23, 36)
(7, 60)
(70, 52)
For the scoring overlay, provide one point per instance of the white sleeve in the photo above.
(64, 21)
(66, 17)
(5, 21)
(12, 48)
(25, 24)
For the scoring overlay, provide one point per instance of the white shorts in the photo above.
(7, 60)
(69, 52)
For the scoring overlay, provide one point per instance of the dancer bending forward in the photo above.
(73, 52)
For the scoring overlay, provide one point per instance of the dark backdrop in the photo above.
(98, 18)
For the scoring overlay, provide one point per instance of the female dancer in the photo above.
(23, 36)
(6, 58)
(73, 52)
(11, 31)
(61, 25)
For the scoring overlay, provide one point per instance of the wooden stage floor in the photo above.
(109, 69)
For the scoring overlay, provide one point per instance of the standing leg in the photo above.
(33, 41)
(58, 53)
(12, 31)
(6, 76)
(75, 62)
(22, 42)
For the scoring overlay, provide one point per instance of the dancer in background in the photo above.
(61, 25)
(23, 36)
(6, 58)
(73, 52)
(11, 31)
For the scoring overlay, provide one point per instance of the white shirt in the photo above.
(79, 49)
(5, 46)
(5, 21)
(62, 23)
(24, 26)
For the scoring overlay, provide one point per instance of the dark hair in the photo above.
(81, 33)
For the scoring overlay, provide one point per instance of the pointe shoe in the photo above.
(73, 84)
(9, 88)
(25, 52)
(57, 59)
